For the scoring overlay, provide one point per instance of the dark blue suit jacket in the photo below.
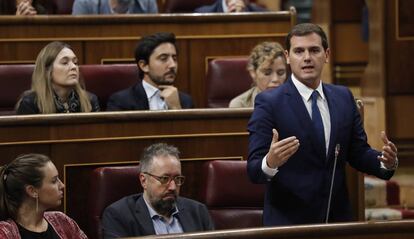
(218, 7)
(298, 193)
(130, 217)
(135, 98)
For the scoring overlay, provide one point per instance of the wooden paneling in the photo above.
(399, 48)
(347, 11)
(402, 125)
(341, 20)
(388, 77)
(399, 68)
(349, 47)
(77, 143)
(405, 19)
(373, 83)
(106, 39)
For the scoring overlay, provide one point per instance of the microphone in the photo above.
(337, 149)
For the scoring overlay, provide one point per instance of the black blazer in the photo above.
(135, 98)
(129, 217)
(218, 7)
(28, 104)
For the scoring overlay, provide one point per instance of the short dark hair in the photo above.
(304, 29)
(147, 44)
(24, 170)
(159, 149)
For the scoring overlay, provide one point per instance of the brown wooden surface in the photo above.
(78, 143)
(399, 70)
(341, 21)
(378, 230)
(388, 79)
(109, 39)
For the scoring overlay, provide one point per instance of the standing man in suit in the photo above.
(229, 6)
(159, 210)
(303, 133)
(156, 58)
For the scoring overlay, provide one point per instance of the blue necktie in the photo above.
(317, 121)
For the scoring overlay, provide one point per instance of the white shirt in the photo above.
(154, 98)
(224, 5)
(306, 92)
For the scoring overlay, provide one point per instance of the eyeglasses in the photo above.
(165, 180)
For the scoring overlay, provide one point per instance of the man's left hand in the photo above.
(389, 153)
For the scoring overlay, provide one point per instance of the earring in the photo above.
(37, 203)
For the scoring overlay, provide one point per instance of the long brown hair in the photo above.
(42, 80)
(14, 177)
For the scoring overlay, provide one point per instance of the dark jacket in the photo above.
(135, 98)
(299, 192)
(28, 104)
(130, 217)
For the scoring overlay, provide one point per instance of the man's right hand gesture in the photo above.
(281, 151)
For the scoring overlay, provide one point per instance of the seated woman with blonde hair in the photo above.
(56, 86)
(268, 69)
(29, 186)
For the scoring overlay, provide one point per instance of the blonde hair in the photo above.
(264, 52)
(42, 80)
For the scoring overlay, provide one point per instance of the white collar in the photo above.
(306, 91)
(224, 4)
(150, 90)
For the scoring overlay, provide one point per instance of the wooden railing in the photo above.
(370, 230)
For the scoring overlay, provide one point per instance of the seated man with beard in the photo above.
(156, 58)
(159, 210)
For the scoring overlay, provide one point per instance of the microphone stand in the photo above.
(337, 148)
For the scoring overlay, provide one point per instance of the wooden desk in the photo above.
(110, 39)
(365, 230)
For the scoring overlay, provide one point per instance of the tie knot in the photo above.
(314, 96)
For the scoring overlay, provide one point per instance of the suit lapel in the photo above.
(184, 218)
(218, 6)
(140, 96)
(299, 109)
(333, 112)
(143, 218)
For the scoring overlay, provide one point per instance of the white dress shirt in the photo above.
(154, 98)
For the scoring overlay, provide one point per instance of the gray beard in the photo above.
(164, 207)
